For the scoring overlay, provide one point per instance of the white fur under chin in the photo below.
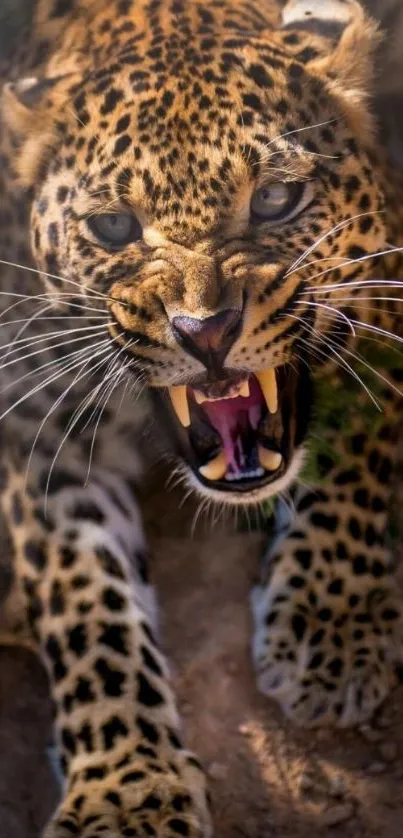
(256, 496)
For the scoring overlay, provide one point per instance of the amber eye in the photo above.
(279, 201)
(115, 230)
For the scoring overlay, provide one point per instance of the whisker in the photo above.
(56, 317)
(85, 360)
(334, 229)
(357, 261)
(203, 504)
(26, 323)
(357, 300)
(37, 388)
(65, 436)
(368, 339)
(108, 373)
(84, 404)
(356, 305)
(370, 327)
(55, 362)
(335, 311)
(357, 283)
(112, 388)
(360, 324)
(341, 360)
(52, 348)
(325, 156)
(97, 294)
(30, 298)
(23, 343)
(300, 130)
(39, 318)
(358, 357)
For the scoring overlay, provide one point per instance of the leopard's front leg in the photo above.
(328, 613)
(90, 609)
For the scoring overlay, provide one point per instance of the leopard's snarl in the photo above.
(194, 203)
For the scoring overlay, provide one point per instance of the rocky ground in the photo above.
(268, 779)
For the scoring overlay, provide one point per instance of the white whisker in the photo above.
(114, 363)
(24, 343)
(65, 436)
(357, 261)
(112, 387)
(53, 377)
(358, 357)
(357, 283)
(83, 362)
(335, 311)
(97, 294)
(323, 237)
(55, 362)
(36, 298)
(82, 338)
(370, 327)
(300, 130)
(359, 299)
(342, 361)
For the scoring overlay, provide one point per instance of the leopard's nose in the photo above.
(209, 339)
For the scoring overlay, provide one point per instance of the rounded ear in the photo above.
(338, 43)
(30, 117)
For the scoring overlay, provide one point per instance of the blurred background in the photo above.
(268, 779)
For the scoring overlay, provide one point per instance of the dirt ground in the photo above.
(268, 779)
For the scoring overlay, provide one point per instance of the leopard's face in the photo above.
(209, 208)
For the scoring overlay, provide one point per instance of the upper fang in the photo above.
(244, 389)
(180, 404)
(268, 384)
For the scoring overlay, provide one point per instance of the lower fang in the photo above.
(270, 460)
(215, 469)
(200, 397)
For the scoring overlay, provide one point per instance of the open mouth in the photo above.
(239, 432)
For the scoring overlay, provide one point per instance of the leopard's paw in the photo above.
(327, 660)
(136, 801)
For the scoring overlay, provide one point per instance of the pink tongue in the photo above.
(232, 418)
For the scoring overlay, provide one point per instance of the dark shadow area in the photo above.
(28, 789)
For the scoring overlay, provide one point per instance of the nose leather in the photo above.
(208, 339)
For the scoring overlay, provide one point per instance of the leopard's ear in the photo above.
(338, 42)
(30, 111)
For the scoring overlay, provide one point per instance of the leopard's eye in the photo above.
(279, 201)
(115, 230)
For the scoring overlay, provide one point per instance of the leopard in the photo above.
(200, 239)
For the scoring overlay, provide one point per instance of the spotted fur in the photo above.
(180, 110)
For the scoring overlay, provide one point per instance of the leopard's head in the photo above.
(211, 177)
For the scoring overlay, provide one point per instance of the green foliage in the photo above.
(341, 400)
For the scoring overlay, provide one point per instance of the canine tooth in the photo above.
(244, 391)
(180, 404)
(215, 469)
(200, 397)
(270, 460)
(268, 383)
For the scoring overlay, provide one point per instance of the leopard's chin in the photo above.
(240, 436)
